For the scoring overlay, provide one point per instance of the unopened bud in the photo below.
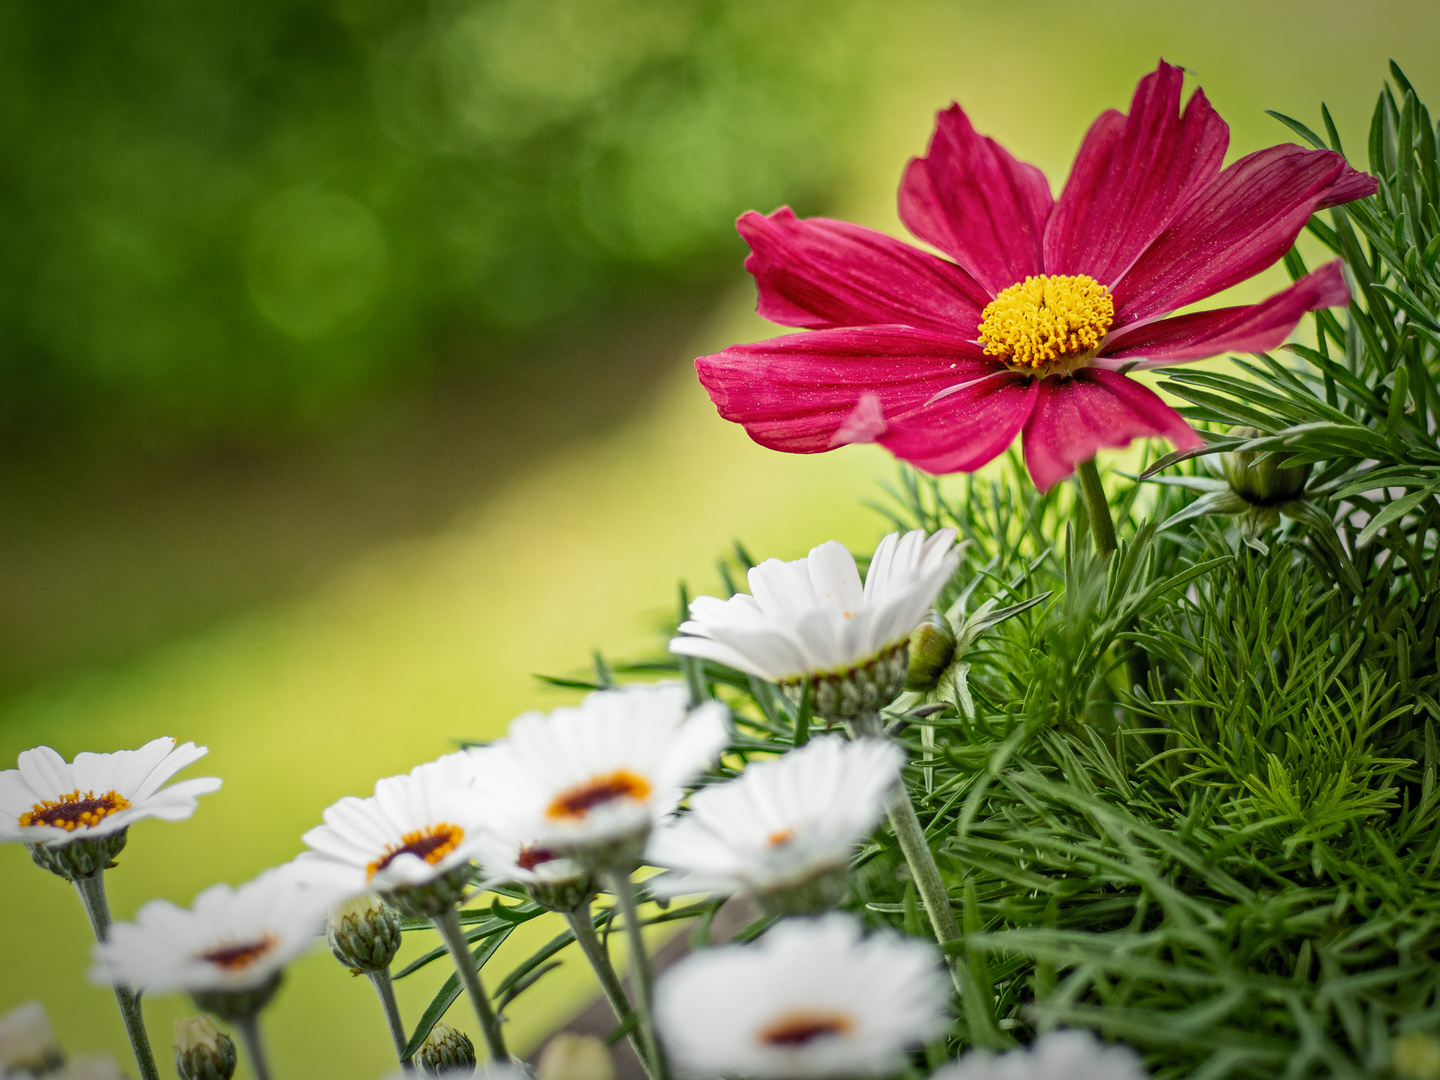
(575, 1057)
(364, 933)
(1416, 1057)
(27, 1042)
(932, 647)
(202, 1050)
(445, 1050)
(1263, 482)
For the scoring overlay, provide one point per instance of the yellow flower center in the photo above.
(1049, 324)
(431, 843)
(76, 810)
(579, 801)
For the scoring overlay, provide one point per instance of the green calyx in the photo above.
(1263, 477)
(234, 1006)
(79, 858)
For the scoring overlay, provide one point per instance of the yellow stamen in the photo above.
(431, 843)
(1049, 324)
(76, 810)
(578, 801)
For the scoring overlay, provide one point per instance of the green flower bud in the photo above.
(444, 1050)
(364, 933)
(932, 647)
(27, 1042)
(202, 1050)
(575, 1057)
(1263, 483)
(1416, 1056)
(233, 1006)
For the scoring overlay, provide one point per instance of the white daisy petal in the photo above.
(585, 777)
(1056, 1055)
(47, 801)
(814, 617)
(231, 939)
(812, 998)
(781, 823)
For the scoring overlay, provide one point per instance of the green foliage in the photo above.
(230, 217)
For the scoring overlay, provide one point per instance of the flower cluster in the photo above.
(1030, 330)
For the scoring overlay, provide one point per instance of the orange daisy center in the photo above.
(75, 811)
(780, 837)
(598, 790)
(431, 843)
(239, 957)
(803, 1026)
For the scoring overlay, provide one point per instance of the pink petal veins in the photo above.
(817, 273)
(976, 203)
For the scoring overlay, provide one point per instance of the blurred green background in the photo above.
(346, 343)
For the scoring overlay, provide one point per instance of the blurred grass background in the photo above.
(346, 349)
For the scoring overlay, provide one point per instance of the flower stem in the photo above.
(249, 1028)
(624, 890)
(449, 926)
(583, 926)
(916, 849)
(386, 989)
(92, 894)
(1101, 525)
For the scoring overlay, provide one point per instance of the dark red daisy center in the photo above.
(431, 844)
(578, 801)
(803, 1026)
(239, 957)
(531, 857)
(76, 810)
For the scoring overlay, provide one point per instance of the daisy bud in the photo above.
(932, 647)
(445, 1050)
(1416, 1057)
(27, 1042)
(1263, 482)
(364, 933)
(202, 1050)
(575, 1057)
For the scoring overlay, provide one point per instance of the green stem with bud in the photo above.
(386, 989)
(1101, 525)
(92, 894)
(449, 926)
(583, 925)
(249, 1029)
(643, 977)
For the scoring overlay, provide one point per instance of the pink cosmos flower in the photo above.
(1047, 302)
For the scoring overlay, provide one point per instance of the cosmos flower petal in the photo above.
(818, 273)
(977, 204)
(1131, 175)
(794, 393)
(1243, 222)
(1249, 329)
(1096, 408)
(967, 428)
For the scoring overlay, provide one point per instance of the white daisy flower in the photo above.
(232, 941)
(784, 830)
(1057, 1055)
(49, 801)
(811, 998)
(813, 618)
(504, 861)
(584, 779)
(416, 830)
(27, 1041)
